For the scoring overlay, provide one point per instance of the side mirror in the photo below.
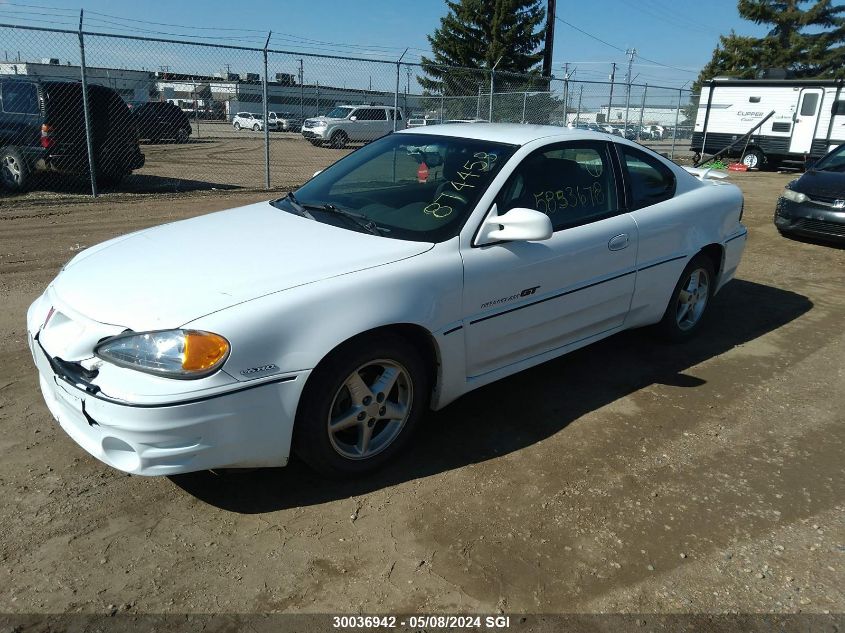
(353, 118)
(517, 224)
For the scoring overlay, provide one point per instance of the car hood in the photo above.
(827, 184)
(324, 118)
(168, 275)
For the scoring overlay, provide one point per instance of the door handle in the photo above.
(618, 242)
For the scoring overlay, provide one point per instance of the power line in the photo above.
(622, 50)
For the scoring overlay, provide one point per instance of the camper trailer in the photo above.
(808, 120)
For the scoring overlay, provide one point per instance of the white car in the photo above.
(250, 121)
(330, 321)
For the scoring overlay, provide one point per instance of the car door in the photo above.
(522, 299)
(806, 118)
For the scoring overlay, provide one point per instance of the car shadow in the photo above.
(50, 182)
(484, 424)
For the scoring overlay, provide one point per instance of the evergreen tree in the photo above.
(475, 34)
(809, 41)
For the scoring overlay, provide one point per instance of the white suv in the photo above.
(250, 121)
(352, 123)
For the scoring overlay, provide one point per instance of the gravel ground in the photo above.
(627, 477)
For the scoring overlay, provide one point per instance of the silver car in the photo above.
(351, 123)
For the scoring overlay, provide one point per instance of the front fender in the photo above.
(296, 328)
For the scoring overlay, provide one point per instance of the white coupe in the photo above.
(327, 322)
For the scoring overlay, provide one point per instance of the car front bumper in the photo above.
(318, 134)
(808, 219)
(250, 426)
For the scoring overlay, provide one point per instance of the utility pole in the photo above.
(631, 52)
(301, 91)
(612, 78)
(550, 38)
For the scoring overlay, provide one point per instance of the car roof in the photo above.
(511, 133)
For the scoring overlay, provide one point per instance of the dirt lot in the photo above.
(627, 477)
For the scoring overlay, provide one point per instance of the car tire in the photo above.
(14, 172)
(316, 143)
(753, 158)
(690, 300)
(339, 140)
(182, 135)
(256, 128)
(364, 441)
(237, 126)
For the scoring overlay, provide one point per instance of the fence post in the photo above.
(642, 109)
(396, 93)
(580, 95)
(266, 120)
(318, 100)
(610, 101)
(441, 106)
(92, 168)
(301, 90)
(524, 103)
(675, 132)
(478, 104)
(566, 99)
(627, 107)
(492, 73)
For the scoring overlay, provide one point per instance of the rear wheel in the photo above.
(182, 135)
(689, 302)
(14, 172)
(753, 158)
(361, 405)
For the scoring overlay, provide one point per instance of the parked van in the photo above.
(42, 127)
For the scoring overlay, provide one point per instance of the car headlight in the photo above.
(319, 124)
(168, 353)
(795, 196)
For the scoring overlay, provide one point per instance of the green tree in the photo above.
(809, 41)
(805, 37)
(475, 34)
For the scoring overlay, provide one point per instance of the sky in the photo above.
(673, 38)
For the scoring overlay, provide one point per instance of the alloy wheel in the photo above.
(692, 299)
(370, 409)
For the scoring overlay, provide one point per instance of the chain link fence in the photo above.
(159, 115)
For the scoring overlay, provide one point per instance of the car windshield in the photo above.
(417, 187)
(835, 161)
(339, 113)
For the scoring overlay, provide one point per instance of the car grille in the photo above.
(820, 226)
(309, 124)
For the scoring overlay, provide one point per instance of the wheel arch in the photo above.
(416, 334)
(716, 254)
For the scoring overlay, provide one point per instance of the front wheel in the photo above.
(237, 126)
(256, 127)
(361, 405)
(689, 302)
(338, 140)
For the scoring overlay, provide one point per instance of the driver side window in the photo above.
(572, 183)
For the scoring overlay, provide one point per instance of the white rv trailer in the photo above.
(809, 119)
